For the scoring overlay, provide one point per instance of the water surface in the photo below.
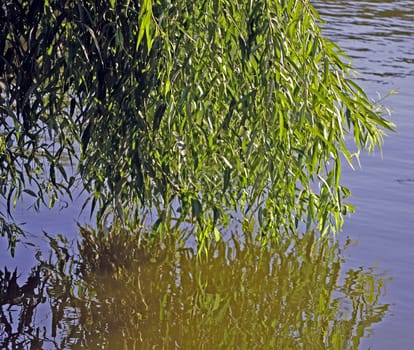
(290, 296)
(379, 37)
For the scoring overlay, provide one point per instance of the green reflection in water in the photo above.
(123, 296)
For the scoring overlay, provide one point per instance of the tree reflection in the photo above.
(18, 305)
(126, 294)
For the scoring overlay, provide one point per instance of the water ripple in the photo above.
(378, 34)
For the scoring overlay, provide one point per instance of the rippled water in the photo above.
(379, 37)
(290, 296)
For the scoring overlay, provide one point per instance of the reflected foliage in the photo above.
(18, 306)
(160, 295)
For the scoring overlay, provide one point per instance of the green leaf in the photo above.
(217, 234)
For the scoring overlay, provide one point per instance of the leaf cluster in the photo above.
(203, 112)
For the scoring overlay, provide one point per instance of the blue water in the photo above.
(379, 37)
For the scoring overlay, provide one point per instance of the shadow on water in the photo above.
(161, 296)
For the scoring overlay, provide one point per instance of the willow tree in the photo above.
(196, 111)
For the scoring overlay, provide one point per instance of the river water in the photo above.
(316, 295)
(379, 37)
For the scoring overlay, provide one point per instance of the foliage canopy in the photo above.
(201, 111)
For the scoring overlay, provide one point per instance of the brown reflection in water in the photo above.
(121, 295)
